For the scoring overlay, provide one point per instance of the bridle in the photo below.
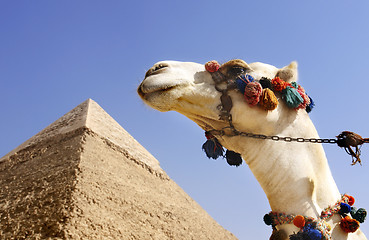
(223, 85)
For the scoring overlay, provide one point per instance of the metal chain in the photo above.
(274, 137)
(235, 132)
(289, 139)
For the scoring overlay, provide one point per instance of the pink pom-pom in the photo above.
(253, 91)
(212, 66)
(306, 100)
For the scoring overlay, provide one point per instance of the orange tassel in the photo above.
(268, 100)
(349, 225)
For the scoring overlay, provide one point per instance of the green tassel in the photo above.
(292, 97)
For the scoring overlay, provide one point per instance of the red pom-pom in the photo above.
(253, 92)
(212, 66)
(278, 84)
(351, 200)
(299, 221)
(349, 225)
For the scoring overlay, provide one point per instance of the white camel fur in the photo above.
(295, 177)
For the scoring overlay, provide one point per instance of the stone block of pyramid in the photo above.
(85, 177)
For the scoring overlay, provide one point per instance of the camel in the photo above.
(295, 176)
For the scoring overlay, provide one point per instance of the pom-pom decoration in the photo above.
(299, 221)
(212, 147)
(242, 81)
(233, 158)
(265, 83)
(358, 214)
(306, 99)
(268, 100)
(314, 234)
(351, 200)
(278, 84)
(212, 66)
(268, 220)
(253, 92)
(310, 106)
(345, 208)
(292, 97)
(349, 225)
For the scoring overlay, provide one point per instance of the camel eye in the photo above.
(236, 70)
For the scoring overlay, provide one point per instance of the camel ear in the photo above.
(288, 73)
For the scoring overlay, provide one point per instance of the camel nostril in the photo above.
(156, 69)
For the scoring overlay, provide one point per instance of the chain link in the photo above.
(274, 137)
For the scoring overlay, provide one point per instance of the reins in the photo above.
(213, 148)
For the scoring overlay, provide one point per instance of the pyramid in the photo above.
(85, 177)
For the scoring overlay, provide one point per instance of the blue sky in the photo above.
(56, 54)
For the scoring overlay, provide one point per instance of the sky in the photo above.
(56, 54)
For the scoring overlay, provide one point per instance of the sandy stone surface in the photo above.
(79, 179)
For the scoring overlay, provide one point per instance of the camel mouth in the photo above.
(146, 93)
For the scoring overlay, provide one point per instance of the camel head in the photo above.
(261, 99)
(189, 89)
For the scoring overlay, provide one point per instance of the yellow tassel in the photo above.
(268, 100)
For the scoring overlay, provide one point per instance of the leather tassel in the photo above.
(212, 147)
(233, 158)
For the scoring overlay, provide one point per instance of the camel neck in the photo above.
(295, 176)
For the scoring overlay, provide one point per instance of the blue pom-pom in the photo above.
(312, 232)
(242, 81)
(345, 208)
(212, 148)
(233, 158)
(310, 106)
(292, 97)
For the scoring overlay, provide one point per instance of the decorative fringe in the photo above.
(233, 158)
(349, 225)
(268, 100)
(292, 97)
(253, 93)
(212, 147)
